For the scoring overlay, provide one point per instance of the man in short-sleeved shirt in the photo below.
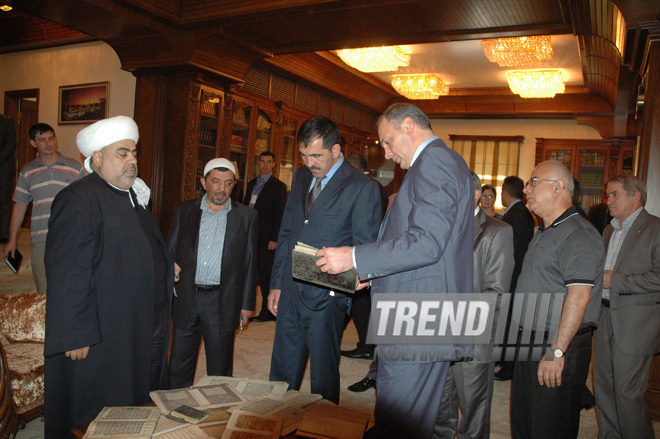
(38, 183)
(561, 280)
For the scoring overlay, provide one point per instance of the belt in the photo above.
(584, 330)
(206, 288)
(606, 303)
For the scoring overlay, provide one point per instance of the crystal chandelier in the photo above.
(422, 86)
(535, 83)
(375, 59)
(518, 52)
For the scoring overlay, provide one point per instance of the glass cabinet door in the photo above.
(207, 140)
(591, 175)
(262, 142)
(239, 141)
(289, 149)
(561, 155)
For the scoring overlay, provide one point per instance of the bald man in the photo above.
(563, 273)
(110, 282)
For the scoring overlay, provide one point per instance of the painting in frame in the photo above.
(83, 103)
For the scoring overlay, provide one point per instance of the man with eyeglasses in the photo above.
(629, 331)
(563, 269)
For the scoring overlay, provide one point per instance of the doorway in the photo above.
(23, 107)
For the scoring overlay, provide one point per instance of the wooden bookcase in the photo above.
(592, 162)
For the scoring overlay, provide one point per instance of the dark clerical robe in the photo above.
(100, 265)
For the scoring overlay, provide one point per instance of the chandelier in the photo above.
(375, 59)
(518, 52)
(535, 83)
(422, 86)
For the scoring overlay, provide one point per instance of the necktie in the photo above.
(313, 194)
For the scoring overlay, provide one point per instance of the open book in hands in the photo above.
(305, 269)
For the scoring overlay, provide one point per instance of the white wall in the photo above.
(529, 128)
(48, 69)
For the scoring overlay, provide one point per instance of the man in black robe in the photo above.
(107, 313)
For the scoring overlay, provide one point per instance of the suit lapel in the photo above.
(232, 218)
(631, 238)
(333, 186)
(479, 222)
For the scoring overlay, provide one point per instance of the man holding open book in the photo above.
(330, 204)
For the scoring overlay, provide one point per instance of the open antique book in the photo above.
(305, 269)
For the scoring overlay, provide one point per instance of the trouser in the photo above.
(539, 412)
(218, 343)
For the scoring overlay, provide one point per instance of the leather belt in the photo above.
(584, 330)
(206, 288)
(606, 303)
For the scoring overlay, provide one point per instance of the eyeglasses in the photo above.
(534, 181)
(488, 196)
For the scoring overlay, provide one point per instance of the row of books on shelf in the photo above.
(239, 117)
(209, 109)
(591, 159)
(263, 123)
(591, 179)
(207, 136)
(238, 141)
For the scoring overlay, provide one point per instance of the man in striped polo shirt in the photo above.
(38, 182)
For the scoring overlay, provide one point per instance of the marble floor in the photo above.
(252, 359)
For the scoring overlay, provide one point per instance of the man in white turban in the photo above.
(110, 286)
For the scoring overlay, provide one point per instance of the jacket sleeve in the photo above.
(72, 320)
(647, 278)
(250, 287)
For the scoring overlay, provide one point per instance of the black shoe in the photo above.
(263, 318)
(358, 353)
(499, 376)
(362, 386)
(588, 405)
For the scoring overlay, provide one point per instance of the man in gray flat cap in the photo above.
(110, 280)
(214, 241)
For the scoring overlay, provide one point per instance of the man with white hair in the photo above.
(214, 241)
(560, 292)
(110, 280)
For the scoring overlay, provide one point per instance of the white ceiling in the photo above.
(462, 64)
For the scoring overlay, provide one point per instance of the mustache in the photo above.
(314, 168)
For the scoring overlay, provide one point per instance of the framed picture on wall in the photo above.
(83, 103)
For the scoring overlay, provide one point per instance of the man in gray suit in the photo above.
(424, 246)
(470, 383)
(628, 333)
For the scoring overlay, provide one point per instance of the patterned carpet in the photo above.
(252, 359)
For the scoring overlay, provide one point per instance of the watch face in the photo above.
(558, 353)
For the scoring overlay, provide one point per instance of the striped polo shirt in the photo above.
(39, 183)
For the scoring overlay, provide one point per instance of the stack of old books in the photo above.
(228, 407)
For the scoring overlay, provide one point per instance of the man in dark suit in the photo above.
(628, 332)
(522, 222)
(470, 383)
(331, 203)
(424, 246)
(214, 241)
(267, 194)
(7, 170)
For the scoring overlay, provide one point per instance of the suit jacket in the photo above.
(635, 290)
(270, 205)
(346, 212)
(493, 263)
(424, 243)
(238, 279)
(522, 222)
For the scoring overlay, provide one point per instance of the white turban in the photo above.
(103, 133)
(106, 132)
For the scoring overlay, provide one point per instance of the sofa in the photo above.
(22, 329)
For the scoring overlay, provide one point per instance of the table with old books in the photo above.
(228, 407)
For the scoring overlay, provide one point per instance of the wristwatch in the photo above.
(556, 352)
